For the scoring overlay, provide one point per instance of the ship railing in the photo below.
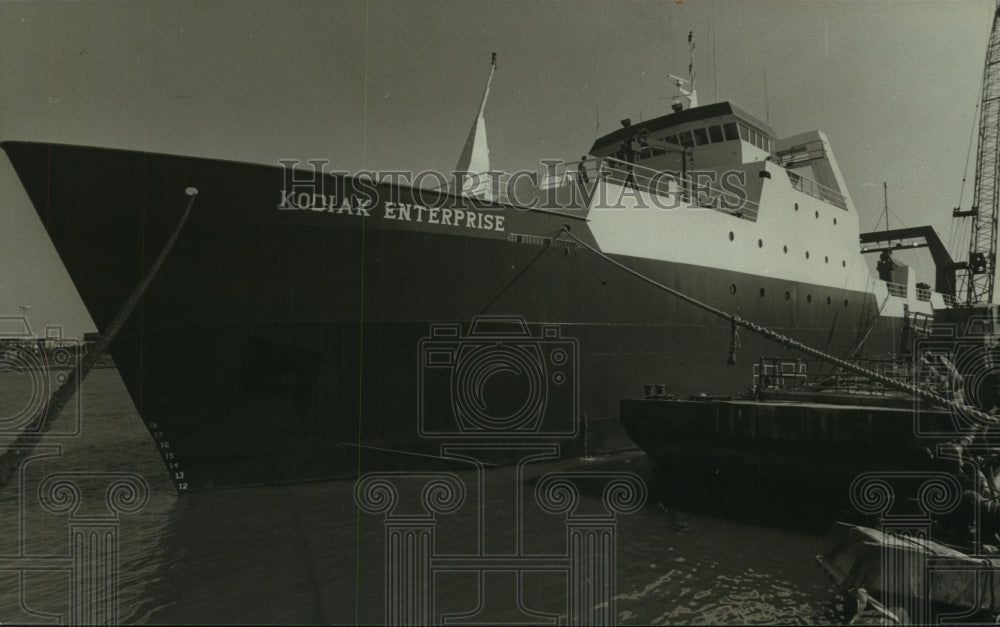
(817, 190)
(800, 155)
(670, 187)
(806, 375)
(490, 186)
(918, 321)
(896, 289)
(672, 190)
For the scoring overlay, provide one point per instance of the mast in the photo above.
(981, 265)
(471, 176)
(692, 95)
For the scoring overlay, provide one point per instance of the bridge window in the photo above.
(744, 133)
(671, 139)
(730, 130)
(715, 133)
(701, 136)
(685, 137)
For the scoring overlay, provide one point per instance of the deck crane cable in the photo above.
(982, 418)
(968, 151)
(981, 264)
(957, 235)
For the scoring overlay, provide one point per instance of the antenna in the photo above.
(885, 194)
(767, 107)
(597, 99)
(691, 72)
(692, 94)
(715, 57)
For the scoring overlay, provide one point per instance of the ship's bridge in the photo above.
(715, 135)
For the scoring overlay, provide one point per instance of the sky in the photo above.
(395, 84)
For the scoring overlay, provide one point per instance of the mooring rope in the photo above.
(11, 459)
(982, 417)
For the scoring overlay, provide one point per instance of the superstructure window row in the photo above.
(720, 133)
(755, 137)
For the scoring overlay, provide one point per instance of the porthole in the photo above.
(829, 300)
(817, 215)
(796, 206)
(760, 243)
(809, 298)
(785, 248)
(732, 288)
(762, 292)
(843, 264)
(835, 222)
(826, 259)
(731, 236)
(788, 295)
(845, 302)
(807, 254)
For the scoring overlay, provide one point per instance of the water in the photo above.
(306, 554)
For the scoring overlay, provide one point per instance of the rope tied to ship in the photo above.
(982, 418)
(734, 342)
(12, 458)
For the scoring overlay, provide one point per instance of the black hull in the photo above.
(793, 443)
(286, 345)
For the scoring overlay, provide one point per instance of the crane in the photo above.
(981, 265)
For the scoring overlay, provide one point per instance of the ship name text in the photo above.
(326, 203)
(470, 219)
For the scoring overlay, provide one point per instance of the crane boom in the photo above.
(981, 268)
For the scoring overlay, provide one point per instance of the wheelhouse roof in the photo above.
(664, 122)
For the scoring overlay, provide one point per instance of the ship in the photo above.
(309, 323)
